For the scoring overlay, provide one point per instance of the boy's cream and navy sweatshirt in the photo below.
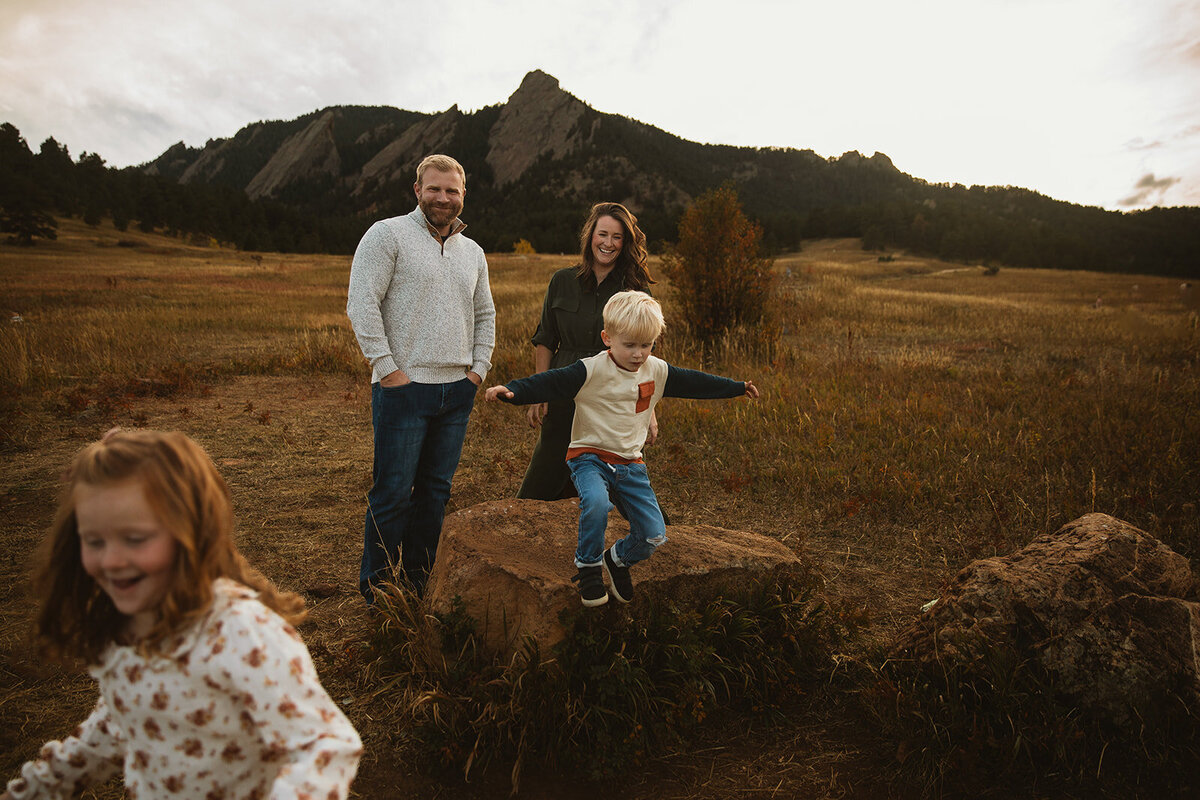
(421, 304)
(612, 404)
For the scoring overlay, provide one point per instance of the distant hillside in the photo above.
(537, 162)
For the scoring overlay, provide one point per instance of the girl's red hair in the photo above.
(76, 619)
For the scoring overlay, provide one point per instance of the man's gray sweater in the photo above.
(421, 305)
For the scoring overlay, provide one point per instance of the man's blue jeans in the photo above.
(628, 485)
(419, 432)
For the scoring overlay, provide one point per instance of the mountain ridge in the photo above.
(539, 122)
(536, 162)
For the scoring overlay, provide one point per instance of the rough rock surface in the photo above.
(539, 118)
(398, 160)
(309, 152)
(1106, 611)
(511, 561)
(212, 159)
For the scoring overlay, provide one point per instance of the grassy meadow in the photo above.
(916, 415)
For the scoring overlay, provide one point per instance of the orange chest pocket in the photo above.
(645, 392)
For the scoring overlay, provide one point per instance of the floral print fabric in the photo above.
(234, 712)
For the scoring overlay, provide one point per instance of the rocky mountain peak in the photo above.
(853, 158)
(539, 118)
(883, 162)
(537, 81)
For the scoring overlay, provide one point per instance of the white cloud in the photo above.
(1078, 99)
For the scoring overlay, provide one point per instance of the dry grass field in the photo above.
(916, 415)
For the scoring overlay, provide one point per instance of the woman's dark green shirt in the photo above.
(572, 318)
(573, 315)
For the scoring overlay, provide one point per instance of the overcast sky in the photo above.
(1092, 101)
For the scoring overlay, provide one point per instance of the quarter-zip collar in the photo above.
(457, 226)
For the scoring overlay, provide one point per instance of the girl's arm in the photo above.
(267, 669)
(93, 753)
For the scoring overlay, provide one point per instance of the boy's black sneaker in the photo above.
(620, 584)
(591, 586)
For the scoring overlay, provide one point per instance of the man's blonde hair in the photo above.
(442, 163)
(634, 314)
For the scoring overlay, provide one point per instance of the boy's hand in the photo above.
(494, 393)
(751, 390)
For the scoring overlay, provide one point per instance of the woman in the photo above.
(612, 259)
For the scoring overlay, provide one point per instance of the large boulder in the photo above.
(1104, 610)
(511, 563)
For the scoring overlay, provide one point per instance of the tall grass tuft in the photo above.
(328, 350)
(964, 727)
(615, 690)
(16, 368)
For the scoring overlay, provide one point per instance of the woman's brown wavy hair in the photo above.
(76, 619)
(631, 262)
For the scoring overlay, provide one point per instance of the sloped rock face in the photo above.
(398, 160)
(538, 119)
(1104, 610)
(212, 160)
(511, 562)
(309, 153)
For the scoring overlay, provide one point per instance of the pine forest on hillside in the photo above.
(536, 163)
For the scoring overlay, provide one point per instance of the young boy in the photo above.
(615, 391)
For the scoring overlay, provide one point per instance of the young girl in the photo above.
(206, 690)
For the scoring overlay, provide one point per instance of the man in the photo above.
(421, 307)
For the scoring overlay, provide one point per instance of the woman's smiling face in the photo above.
(607, 240)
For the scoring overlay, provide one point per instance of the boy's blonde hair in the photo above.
(635, 314)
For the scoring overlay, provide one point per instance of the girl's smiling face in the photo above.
(126, 549)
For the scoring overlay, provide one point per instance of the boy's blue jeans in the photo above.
(600, 485)
(419, 433)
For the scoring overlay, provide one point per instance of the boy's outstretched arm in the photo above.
(699, 385)
(555, 384)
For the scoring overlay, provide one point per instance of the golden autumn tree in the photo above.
(722, 281)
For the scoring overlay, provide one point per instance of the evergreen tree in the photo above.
(24, 203)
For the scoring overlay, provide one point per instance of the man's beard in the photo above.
(440, 217)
